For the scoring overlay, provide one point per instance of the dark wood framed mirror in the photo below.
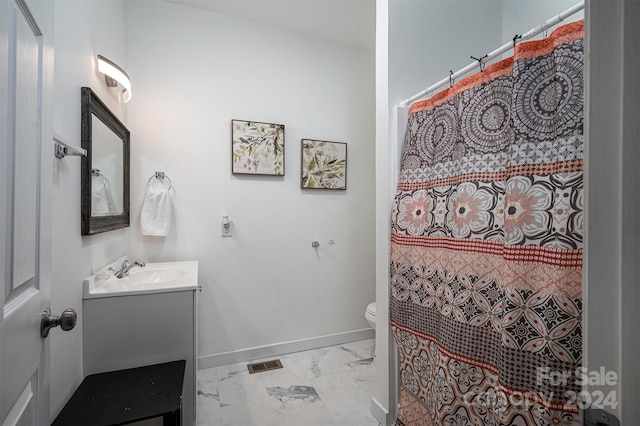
(105, 169)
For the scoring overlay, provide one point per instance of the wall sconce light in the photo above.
(113, 75)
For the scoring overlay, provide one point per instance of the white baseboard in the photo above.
(380, 413)
(244, 355)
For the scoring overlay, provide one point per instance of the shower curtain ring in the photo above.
(515, 39)
(480, 61)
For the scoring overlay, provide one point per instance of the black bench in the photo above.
(126, 396)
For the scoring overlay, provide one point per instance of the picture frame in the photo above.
(257, 148)
(323, 164)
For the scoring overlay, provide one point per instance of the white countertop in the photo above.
(160, 277)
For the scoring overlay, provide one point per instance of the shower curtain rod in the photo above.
(499, 51)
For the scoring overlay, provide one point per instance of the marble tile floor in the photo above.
(330, 386)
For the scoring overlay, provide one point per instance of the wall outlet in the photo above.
(225, 227)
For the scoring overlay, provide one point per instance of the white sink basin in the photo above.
(159, 277)
(155, 275)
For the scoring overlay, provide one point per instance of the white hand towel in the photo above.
(155, 217)
(102, 203)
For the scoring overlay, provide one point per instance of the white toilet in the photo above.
(370, 314)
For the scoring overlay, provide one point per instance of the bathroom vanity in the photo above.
(149, 317)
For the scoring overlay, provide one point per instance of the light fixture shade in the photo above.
(115, 75)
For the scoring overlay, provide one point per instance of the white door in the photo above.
(26, 70)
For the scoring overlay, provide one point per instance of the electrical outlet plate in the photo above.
(225, 227)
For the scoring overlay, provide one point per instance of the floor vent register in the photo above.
(259, 367)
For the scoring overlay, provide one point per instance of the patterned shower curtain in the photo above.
(486, 244)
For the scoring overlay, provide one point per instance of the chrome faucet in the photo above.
(126, 266)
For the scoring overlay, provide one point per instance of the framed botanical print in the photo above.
(323, 164)
(257, 148)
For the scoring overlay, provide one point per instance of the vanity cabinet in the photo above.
(127, 331)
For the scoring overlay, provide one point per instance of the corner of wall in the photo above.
(82, 30)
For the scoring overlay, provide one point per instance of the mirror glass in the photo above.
(105, 169)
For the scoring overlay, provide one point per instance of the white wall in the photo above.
(82, 30)
(382, 402)
(193, 71)
(429, 38)
(519, 16)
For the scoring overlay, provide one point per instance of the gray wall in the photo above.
(613, 207)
